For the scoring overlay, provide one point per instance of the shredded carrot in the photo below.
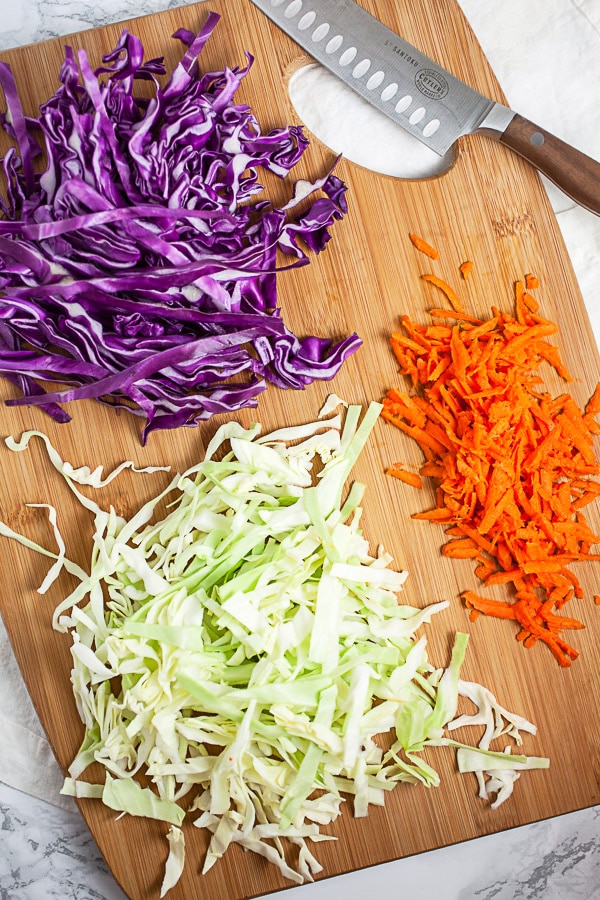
(453, 314)
(496, 608)
(423, 245)
(463, 548)
(452, 296)
(411, 478)
(513, 466)
(466, 268)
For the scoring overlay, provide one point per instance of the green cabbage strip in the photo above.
(247, 650)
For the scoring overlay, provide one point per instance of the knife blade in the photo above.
(420, 95)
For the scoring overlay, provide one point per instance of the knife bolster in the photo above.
(496, 121)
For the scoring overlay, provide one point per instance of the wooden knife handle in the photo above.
(573, 172)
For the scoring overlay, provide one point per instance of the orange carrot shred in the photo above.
(466, 268)
(424, 246)
(462, 548)
(530, 302)
(451, 295)
(493, 607)
(520, 306)
(453, 314)
(513, 466)
(411, 478)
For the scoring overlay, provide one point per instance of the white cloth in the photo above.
(26, 759)
(546, 55)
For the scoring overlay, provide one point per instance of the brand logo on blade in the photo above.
(431, 83)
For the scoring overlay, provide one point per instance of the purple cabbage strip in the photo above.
(140, 267)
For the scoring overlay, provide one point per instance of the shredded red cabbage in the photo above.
(139, 268)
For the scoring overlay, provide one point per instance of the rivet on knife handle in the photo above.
(421, 96)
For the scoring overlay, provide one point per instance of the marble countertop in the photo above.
(48, 852)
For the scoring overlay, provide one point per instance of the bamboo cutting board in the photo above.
(489, 207)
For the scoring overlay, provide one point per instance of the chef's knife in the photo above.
(418, 94)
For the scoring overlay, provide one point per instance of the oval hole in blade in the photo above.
(347, 124)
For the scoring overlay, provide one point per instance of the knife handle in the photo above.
(573, 172)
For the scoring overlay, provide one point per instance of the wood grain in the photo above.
(490, 207)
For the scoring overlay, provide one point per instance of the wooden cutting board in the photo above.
(489, 207)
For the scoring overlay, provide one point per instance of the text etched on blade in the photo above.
(402, 53)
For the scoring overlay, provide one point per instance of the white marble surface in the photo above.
(46, 851)
(48, 854)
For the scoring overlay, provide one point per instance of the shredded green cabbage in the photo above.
(248, 649)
